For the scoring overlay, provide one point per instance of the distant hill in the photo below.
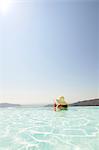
(92, 102)
(9, 105)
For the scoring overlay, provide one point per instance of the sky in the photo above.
(47, 49)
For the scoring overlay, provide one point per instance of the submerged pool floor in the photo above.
(43, 129)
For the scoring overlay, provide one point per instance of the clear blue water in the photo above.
(43, 129)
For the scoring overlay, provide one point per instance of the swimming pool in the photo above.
(43, 129)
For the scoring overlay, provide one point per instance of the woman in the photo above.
(60, 104)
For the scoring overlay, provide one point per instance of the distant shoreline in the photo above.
(92, 102)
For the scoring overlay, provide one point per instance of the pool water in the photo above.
(43, 129)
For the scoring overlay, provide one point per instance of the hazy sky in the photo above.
(47, 49)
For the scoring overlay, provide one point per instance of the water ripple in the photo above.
(44, 129)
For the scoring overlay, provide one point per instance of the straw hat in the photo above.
(61, 100)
